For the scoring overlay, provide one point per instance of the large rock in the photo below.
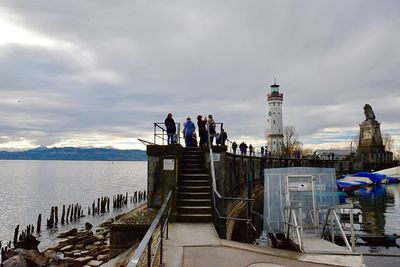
(15, 261)
(94, 263)
(68, 233)
(29, 242)
(88, 226)
(84, 260)
(31, 256)
(66, 248)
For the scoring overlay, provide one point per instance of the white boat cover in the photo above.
(391, 172)
(355, 179)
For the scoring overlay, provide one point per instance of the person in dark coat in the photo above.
(202, 131)
(171, 129)
(251, 150)
(234, 147)
(211, 126)
(243, 148)
(262, 151)
(223, 137)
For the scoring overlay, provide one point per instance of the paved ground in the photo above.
(197, 245)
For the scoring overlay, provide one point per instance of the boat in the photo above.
(391, 172)
(348, 186)
(376, 178)
(364, 180)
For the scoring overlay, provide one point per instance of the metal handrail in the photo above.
(331, 212)
(298, 227)
(163, 134)
(217, 194)
(148, 238)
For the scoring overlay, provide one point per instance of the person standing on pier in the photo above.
(251, 150)
(202, 131)
(262, 151)
(243, 148)
(211, 126)
(234, 147)
(223, 136)
(171, 129)
(188, 130)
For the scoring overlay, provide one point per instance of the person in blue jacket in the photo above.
(188, 130)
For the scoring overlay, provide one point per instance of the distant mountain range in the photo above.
(75, 153)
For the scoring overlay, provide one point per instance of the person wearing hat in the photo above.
(171, 129)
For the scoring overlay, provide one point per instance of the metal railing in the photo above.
(294, 227)
(332, 221)
(217, 197)
(160, 221)
(160, 133)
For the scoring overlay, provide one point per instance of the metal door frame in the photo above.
(313, 194)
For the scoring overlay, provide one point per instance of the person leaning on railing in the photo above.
(171, 129)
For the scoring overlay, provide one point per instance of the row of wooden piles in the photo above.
(73, 213)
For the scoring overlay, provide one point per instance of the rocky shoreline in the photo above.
(76, 247)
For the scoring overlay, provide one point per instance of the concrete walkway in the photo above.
(197, 245)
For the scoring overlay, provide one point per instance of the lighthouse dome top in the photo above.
(274, 94)
(275, 88)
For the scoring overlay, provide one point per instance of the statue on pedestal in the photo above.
(369, 113)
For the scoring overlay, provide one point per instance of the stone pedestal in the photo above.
(370, 137)
(371, 154)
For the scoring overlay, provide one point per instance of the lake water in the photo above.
(29, 187)
(380, 207)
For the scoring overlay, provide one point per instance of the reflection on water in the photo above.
(381, 215)
(379, 208)
(28, 188)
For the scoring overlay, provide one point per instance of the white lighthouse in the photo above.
(275, 128)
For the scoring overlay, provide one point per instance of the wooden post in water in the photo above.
(63, 215)
(56, 214)
(39, 223)
(75, 211)
(16, 234)
(50, 221)
(71, 216)
(108, 204)
(93, 208)
(68, 211)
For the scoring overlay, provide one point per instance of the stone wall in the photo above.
(162, 173)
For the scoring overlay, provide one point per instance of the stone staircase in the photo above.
(194, 188)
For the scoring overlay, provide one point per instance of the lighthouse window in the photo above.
(273, 104)
(274, 121)
(279, 129)
(274, 142)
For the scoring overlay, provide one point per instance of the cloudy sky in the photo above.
(99, 73)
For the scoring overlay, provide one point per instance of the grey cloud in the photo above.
(194, 58)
